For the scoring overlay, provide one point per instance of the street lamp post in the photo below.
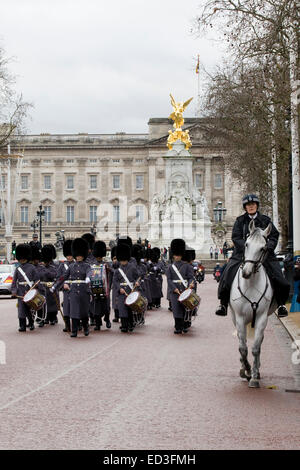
(40, 214)
(219, 212)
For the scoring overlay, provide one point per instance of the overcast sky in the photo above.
(103, 66)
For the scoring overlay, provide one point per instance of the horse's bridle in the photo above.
(258, 262)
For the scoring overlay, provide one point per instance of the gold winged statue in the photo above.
(176, 116)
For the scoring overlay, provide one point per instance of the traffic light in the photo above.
(13, 248)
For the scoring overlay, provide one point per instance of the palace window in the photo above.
(70, 214)
(47, 182)
(93, 181)
(116, 182)
(116, 214)
(24, 182)
(47, 210)
(199, 180)
(2, 182)
(139, 214)
(93, 213)
(139, 182)
(70, 182)
(24, 214)
(218, 181)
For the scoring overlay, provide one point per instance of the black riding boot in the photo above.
(31, 322)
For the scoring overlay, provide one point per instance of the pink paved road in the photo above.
(147, 390)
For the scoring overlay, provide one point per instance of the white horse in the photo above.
(251, 300)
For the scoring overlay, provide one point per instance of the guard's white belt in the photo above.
(178, 281)
(22, 283)
(76, 282)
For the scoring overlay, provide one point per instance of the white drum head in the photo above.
(30, 295)
(185, 294)
(132, 298)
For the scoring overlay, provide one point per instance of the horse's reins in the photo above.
(257, 265)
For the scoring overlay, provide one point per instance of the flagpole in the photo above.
(198, 86)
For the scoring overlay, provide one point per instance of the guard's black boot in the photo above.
(178, 326)
(31, 324)
(282, 311)
(41, 324)
(124, 325)
(75, 323)
(222, 310)
(116, 319)
(98, 323)
(108, 324)
(22, 323)
(85, 324)
(67, 327)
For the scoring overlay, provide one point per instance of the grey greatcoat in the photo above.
(19, 287)
(80, 293)
(119, 282)
(174, 282)
(62, 269)
(48, 273)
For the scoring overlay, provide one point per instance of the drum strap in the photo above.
(184, 282)
(30, 283)
(126, 278)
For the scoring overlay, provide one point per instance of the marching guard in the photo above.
(48, 275)
(113, 266)
(180, 276)
(25, 276)
(125, 278)
(63, 267)
(100, 286)
(79, 284)
(90, 259)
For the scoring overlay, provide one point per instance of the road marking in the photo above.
(16, 400)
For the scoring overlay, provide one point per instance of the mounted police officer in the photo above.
(239, 234)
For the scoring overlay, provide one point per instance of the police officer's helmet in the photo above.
(250, 198)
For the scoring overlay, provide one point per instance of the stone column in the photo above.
(59, 189)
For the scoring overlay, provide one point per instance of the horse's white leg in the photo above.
(261, 323)
(241, 327)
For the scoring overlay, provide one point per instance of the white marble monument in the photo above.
(180, 211)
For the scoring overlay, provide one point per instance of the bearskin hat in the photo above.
(155, 255)
(47, 253)
(125, 240)
(80, 247)
(99, 250)
(123, 252)
(178, 247)
(90, 239)
(137, 251)
(189, 255)
(67, 248)
(23, 251)
(148, 253)
(113, 252)
(36, 253)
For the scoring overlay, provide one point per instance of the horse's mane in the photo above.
(256, 233)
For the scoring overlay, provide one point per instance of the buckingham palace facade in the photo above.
(87, 181)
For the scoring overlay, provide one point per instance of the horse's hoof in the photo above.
(244, 374)
(254, 383)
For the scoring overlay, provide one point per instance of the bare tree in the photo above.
(13, 109)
